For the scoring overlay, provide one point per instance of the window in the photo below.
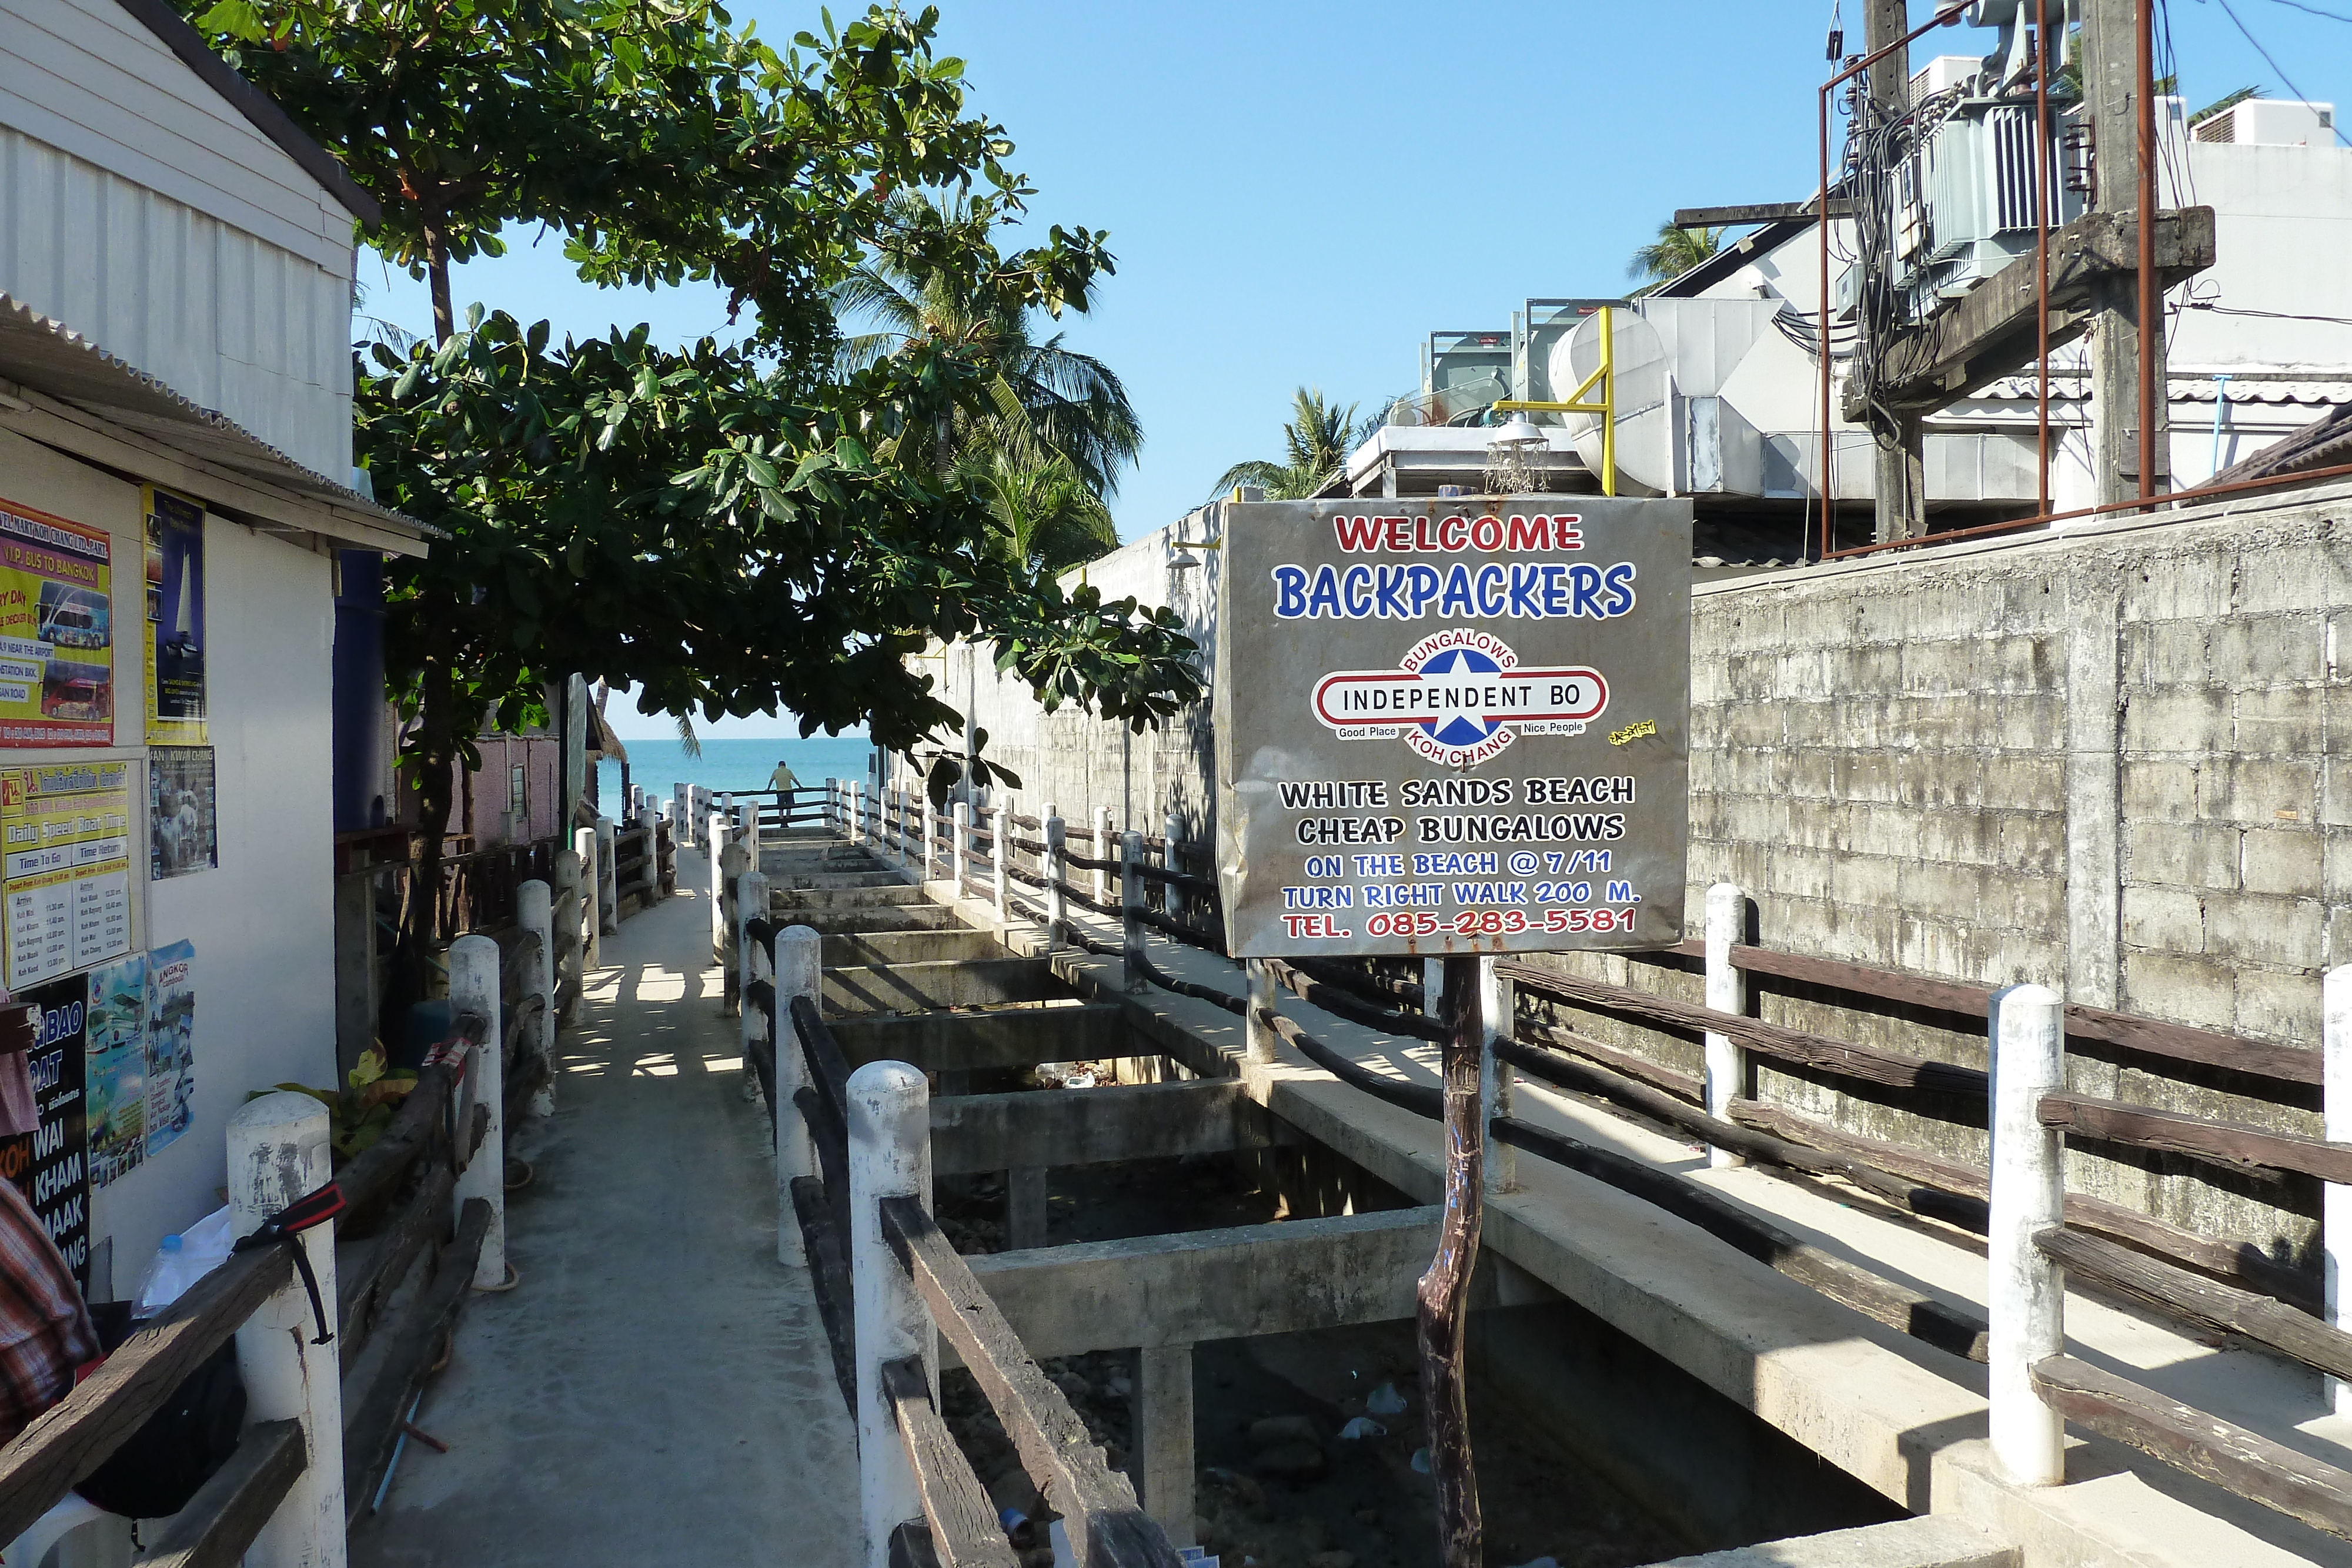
(516, 793)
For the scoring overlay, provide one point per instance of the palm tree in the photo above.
(1316, 440)
(1047, 516)
(1674, 252)
(1048, 395)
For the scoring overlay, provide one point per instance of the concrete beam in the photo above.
(1932, 1540)
(859, 919)
(963, 1042)
(1099, 1126)
(1991, 331)
(909, 987)
(783, 899)
(951, 946)
(1156, 1291)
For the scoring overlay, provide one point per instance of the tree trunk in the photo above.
(436, 272)
(1443, 1292)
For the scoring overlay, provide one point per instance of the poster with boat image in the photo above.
(175, 619)
(171, 1042)
(56, 631)
(116, 1034)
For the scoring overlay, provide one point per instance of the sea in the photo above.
(726, 767)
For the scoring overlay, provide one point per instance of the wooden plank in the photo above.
(964, 1531)
(1942, 1325)
(2241, 1261)
(1357, 1010)
(2221, 1143)
(1687, 1086)
(2151, 1036)
(1755, 213)
(829, 1275)
(1112, 1531)
(228, 1510)
(378, 1271)
(1418, 1098)
(1993, 332)
(2308, 1339)
(910, 1546)
(74, 1437)
(373, 1414)
(374, 1169)
(2205, 1446)
(1872, 1063)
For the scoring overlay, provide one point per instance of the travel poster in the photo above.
(175, 619)
(171, 1043)
(117, 1049)
(182, 818)
(47, 1164)
(56, 631)
(64, 867)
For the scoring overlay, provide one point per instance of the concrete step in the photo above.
(827, 880)
(865, 919)
(893, 947)
(1012, 1036)
(1929, 1541)
(781, 899)
(913, 987)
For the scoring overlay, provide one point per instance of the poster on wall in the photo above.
(175, 618)
(56, 631)
(116, 1034)
(64, 867)
(183, 819)
(171, 1040)
(47, 1164)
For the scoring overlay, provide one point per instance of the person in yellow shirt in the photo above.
(781, 779)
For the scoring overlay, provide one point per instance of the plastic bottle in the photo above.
(164, 1278)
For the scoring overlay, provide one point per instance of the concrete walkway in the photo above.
(657, 1389)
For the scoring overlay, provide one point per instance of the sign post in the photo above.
(1447, 730)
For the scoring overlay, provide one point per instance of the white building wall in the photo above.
(263, 921)
(145, 211)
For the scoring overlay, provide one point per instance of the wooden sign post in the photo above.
(1445, 1291)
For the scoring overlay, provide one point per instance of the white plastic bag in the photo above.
(1385, 1401)
(203, 1247)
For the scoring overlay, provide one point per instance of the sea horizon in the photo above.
(732, 765)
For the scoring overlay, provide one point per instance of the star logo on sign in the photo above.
(1458, 725)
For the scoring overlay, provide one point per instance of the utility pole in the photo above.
(2114, 73)
(1898, 442)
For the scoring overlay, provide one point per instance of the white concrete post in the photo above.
(278, 1152)
(1726, 992)
(2335, 1201)
(1057, 872)
(857, 812)
(1106, 849)
(608, 879)
(1262, 998)
(800, 972)
(889, 1156)
(1495, 1079)
(474, 989)
(682, 812)
(535, 914)
(1000, 834)
(592, 921)
(750, 957)
(571, 956)
(1130, 910)
(1432, 989)
(734, 865)
(2027, 1289)
(1163, 1437)
(960, 853)
(721, 835)
(1169, 831)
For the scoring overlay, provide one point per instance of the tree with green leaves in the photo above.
(1674, 252)
(1316, 441)
(1048, 399)
(1047, 516)
(737, 528)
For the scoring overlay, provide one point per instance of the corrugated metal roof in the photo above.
(49, 357)
(2317, 392)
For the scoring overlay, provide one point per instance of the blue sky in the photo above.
(1298, 193)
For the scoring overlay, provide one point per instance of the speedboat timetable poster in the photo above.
(56, 631)
(65, 879)
(1453, 724)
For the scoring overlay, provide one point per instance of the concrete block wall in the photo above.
(2103, 761)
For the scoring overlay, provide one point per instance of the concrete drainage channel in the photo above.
(1226, 1303)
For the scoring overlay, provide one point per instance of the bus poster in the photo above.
(56, 631)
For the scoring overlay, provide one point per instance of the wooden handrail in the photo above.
(2219, 1143)
(2229, 1456)
(1873, 1063)
(2308, 1339)
(1052, 1443)
(71, 1438)
(964, 1530)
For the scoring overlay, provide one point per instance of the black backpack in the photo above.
(159, 1468)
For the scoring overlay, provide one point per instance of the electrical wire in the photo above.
(2239, 23)
(2313, 10)
(2269, 315)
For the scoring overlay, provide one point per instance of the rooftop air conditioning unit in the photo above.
(2270, 122)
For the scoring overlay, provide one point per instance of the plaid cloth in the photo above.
(45, 1330)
